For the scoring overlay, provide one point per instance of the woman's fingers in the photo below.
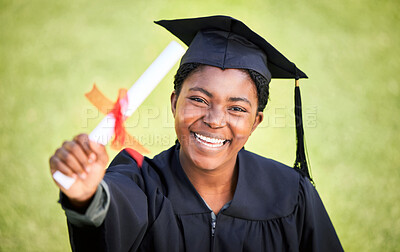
(57, 165)
(94, 151)
(77, 156)
(100, 153)
(71, 161)
(76, 149)
(83, 141)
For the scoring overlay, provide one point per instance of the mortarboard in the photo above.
(226, 42)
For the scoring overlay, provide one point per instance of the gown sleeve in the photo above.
(316, 230)
(126, 219)
(96, 212)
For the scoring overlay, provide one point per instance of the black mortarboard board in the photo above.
(226, 42)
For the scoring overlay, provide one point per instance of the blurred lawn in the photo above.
(52, 51)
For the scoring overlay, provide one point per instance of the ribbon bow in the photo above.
(118, 109)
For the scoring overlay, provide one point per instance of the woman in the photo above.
(206, 193)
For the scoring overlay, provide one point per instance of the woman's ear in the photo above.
(174, 99)
(258, 120)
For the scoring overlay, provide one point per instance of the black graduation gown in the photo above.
(156, 208)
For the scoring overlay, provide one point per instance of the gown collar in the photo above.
(265, 189)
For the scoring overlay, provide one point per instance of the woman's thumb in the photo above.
(99, 152)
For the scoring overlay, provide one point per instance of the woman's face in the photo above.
(215, 114)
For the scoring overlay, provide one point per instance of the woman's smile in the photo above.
(213, 142)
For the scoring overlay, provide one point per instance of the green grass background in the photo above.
(52, 51)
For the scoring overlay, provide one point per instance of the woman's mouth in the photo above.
(209, 141)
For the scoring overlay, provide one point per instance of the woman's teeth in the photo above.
(208, 141)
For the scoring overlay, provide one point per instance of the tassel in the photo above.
(301, 161)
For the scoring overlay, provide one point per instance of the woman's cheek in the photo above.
(192, 113)
(242, 129)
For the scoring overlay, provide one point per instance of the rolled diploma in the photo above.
(104, 131)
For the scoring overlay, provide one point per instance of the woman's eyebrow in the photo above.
(231, 99)
(243, 99)
(201, 90)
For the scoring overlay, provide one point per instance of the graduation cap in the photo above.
(225, 42)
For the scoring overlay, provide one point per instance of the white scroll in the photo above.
(104, 131)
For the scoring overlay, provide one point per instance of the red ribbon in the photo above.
(119, 109)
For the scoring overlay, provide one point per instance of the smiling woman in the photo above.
(206, 193)
(215, 113)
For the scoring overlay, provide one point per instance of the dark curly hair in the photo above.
(261, 83)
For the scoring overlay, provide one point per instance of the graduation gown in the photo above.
(154, 207)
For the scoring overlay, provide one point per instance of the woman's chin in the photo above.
(209, 162)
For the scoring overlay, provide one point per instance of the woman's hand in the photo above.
(83, 160)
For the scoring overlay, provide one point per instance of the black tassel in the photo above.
(301, 161)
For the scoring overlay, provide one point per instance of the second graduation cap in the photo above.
(225, 42)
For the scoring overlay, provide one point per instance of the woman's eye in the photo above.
(197, 99)
(238, 109)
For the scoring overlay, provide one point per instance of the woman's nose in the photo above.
(215, 118)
